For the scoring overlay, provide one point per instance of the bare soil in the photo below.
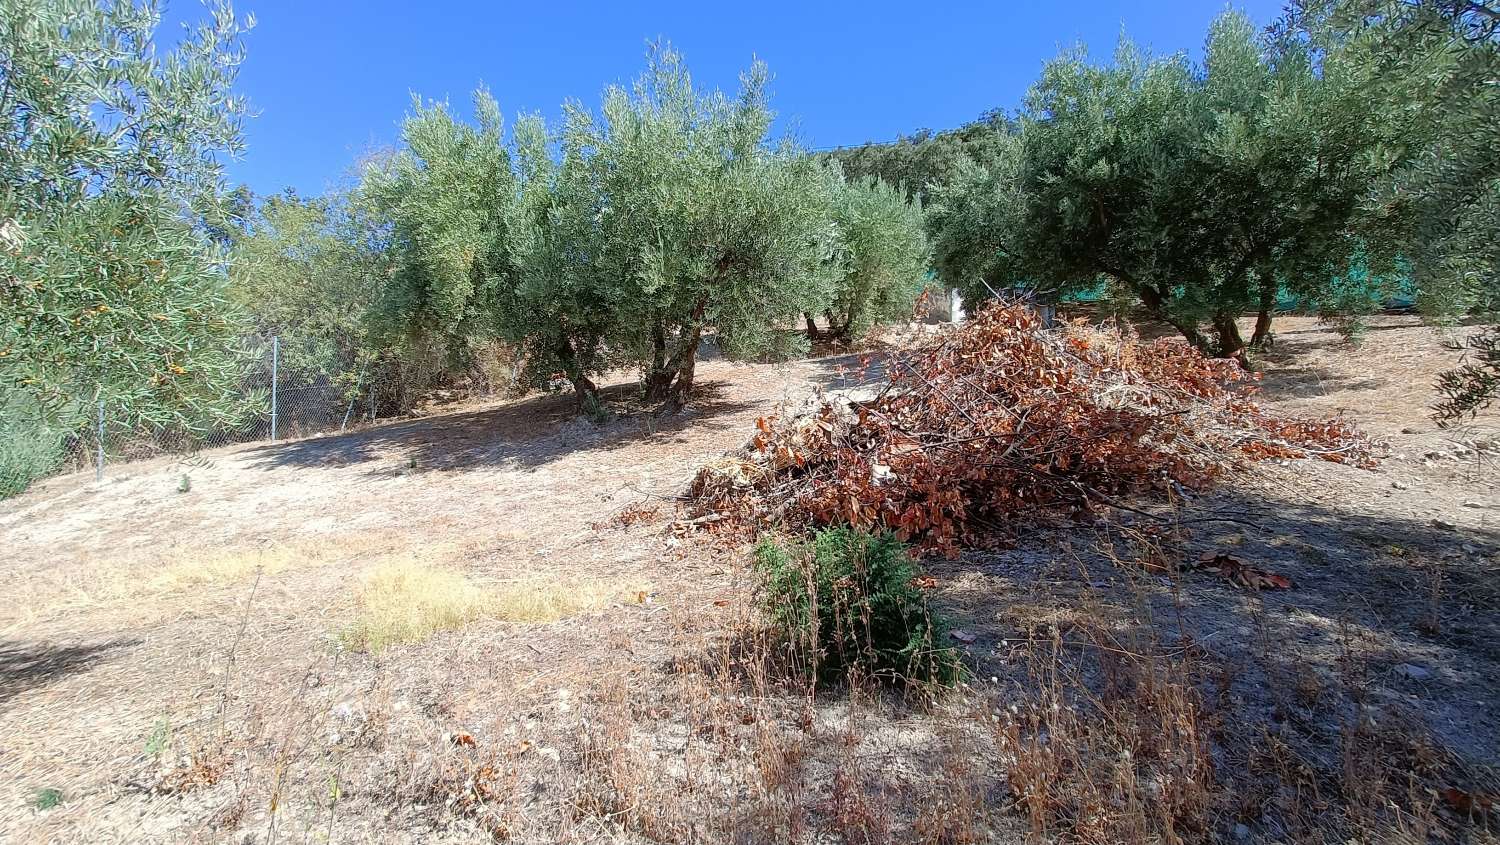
(229, 710)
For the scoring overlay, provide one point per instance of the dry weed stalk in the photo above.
(1124, 756)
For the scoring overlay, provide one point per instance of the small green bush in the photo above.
(30, 447)
(847, 597)
(47, 799)
(23, 461)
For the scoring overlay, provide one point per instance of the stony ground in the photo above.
(171, 662)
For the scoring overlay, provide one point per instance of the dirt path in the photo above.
(89, 663)
(136, 618)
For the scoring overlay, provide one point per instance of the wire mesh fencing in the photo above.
(283, 394)
(289, 387)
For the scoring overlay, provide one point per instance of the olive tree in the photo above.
(445, 199)
(668, 216)
(112, 284)
(976, 222)
(556, 311)
(919, 162)
(881, 260)
(306, 271)
(693, 221)
(1429, 71)
(1197, 190)
(491, 239)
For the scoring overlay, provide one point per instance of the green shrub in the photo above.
(847, 598)
(31, 447)
(47, 799)
(24, 460)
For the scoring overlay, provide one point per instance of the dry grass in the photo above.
(139, 586)
(182, 704)
(1109, 730)
(409, 601)
(406, 601)
(214, 569)
(1126, 758)
(537, 600)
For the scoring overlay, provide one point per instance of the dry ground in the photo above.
(179, 666)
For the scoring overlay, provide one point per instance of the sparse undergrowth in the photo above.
(146, 584)
(849, 602)
(1108, 731)
(1137, 742)
(1205, 712)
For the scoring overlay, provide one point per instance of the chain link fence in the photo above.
(283, 397)
(290, 389)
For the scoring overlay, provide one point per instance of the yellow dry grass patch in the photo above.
(148, 583)
(232, 566)
(405, 601)
(541, 600)
(408, 601)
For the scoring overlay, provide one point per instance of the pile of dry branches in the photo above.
(1005, 419)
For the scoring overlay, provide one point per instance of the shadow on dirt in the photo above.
(1406, 610)
(1291, 368)
(1390, 633)
(526, 434)
(27, 665)
(1307, 382)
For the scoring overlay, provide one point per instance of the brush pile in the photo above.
(1003, 421)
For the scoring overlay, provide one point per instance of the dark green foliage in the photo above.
(1428, 71)
(448, 197)
(847, 598)
(914, 163)
(1196, 190)
(1473, 385)
(668, 217)
(112, 223)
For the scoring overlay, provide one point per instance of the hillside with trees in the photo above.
(603, 475)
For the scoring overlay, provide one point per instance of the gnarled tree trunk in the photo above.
(683, 388)
(671, 377)
(1262, 334)
(813, 334)
(1231, 342)
(1156, 305)
(584, 388)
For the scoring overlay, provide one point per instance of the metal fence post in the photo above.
(275, 362)
(99, 461)
(354, 398)
(345, 424)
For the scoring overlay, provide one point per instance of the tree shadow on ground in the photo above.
(1308, 382)
(1407, 609)
(1291, 369)
(1391, 630)
(526, 434)
(27, 665)
(1404, 606)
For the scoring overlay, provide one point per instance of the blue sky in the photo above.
(330, 79)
